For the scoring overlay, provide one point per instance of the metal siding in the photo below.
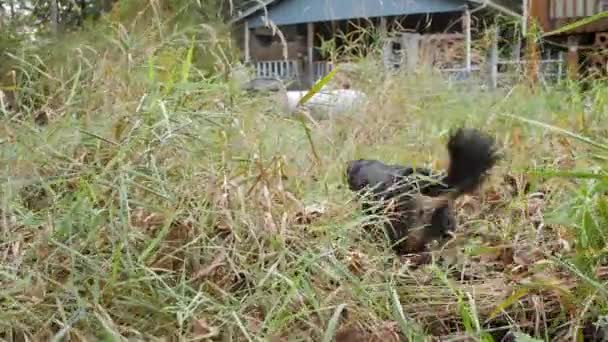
(558, 8)
(590, 7)
(570, 8)
(573, 8)
(289, 12)
(580, 8)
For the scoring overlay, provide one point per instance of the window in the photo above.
(396, 47)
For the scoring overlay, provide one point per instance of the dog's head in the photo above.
(356, 181)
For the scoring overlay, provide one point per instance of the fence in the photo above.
(550, 70)
(279, 69)
(321, 68)
(496, 71)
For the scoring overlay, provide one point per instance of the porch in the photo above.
(405, 51)
(287, 40)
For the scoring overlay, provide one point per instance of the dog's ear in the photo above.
(355, 180)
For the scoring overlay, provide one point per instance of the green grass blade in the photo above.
(559, 130)
(508, 302)
(188, 62)
(601, 288)
(407, 328)
(332, 326)
(318, 86)
(521, 337)
(567, 174)
(75, 85)
(151, 71)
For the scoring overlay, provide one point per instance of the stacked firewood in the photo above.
(444, 51)
(447, 51)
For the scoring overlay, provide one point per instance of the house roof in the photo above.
(287, 12)
(262, 4)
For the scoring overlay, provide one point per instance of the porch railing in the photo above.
(321, 68)
(281, 69)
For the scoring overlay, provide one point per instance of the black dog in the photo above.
(417, 202)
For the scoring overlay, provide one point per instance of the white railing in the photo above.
(321, 69)
(550, 70)
(281, 69)
(290, 69)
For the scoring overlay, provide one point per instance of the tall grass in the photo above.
(160, 201)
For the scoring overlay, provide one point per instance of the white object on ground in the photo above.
(326, 102)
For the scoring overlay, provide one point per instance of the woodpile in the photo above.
(597, 63)
(601, 40)
(447, 50)
(598, 59)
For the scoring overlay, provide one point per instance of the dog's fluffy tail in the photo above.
(472, 154)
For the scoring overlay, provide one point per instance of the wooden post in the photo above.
(466, 22)
(524, 18)
(54, 16)
(560, 66)
(572, 58)
(532, 62)
(494, 59)
(539, 10)
(387, 54)
(410, 43)
(12, 8)
(310, 38)
(386, 44)
(383, 28)
(247, 52)
(516, 54)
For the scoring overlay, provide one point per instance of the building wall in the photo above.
(539, 10)
(573, 8)
(584, 41)
(553, 14)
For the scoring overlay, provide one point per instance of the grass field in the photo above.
(161, 202)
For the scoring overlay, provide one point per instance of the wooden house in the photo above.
(281, 38)
(585, 43)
